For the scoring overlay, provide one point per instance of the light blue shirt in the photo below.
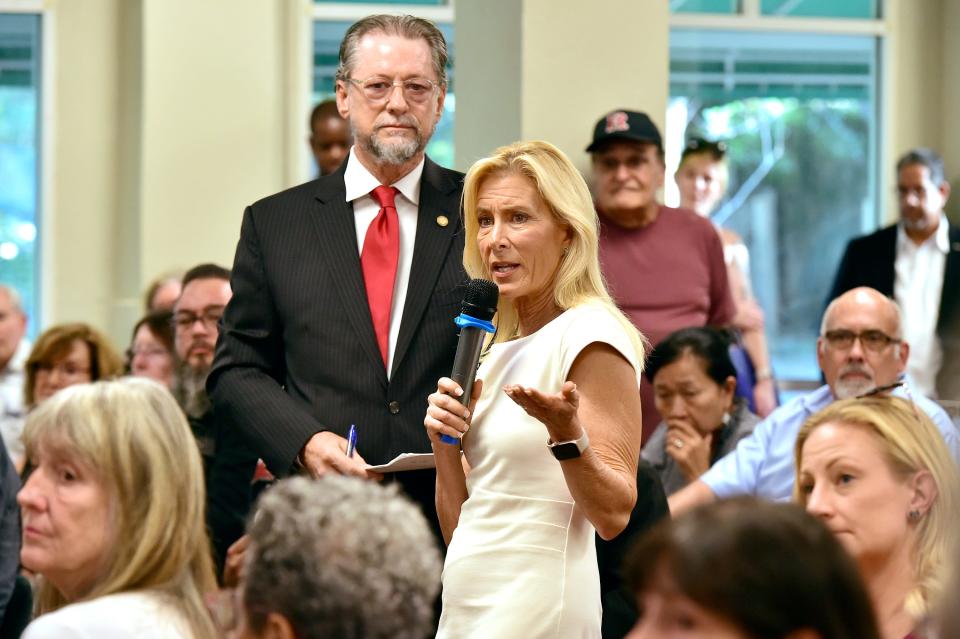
(762, 464)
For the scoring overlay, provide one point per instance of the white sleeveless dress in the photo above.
(522, 562)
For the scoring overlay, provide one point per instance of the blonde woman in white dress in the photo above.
(551, 436)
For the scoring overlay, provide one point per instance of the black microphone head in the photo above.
(480, 300)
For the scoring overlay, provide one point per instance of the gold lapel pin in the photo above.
(442, 220)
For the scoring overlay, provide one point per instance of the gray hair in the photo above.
(410, 27)
(341, 557)
(16, 302)
(924, 157)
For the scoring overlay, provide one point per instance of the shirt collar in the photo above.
(359, 182)
(940, 239)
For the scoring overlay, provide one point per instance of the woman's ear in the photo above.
(924, 491)
(729, 388)
(277, 627)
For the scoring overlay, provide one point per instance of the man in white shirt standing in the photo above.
(917, 262)
(14, 350)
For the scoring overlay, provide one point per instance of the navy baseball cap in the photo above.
(632, 126)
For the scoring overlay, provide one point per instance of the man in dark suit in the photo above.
(345, 288)
(917, 262)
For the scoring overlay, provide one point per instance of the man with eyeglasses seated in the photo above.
(861, 352)
(345, 288)
(664, 266)
(228, 461)
(917, 263)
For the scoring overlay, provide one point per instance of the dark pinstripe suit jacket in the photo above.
(297, 352)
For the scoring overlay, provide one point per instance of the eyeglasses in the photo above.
(882, 390)
(146, 352)
(716, 148)
(184, 320)
(65, 369)
(378, 89)
(873, 341)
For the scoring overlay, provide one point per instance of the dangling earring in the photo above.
(913, 515)
(726, 418)
(566, 249)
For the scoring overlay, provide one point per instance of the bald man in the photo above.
(860, 348)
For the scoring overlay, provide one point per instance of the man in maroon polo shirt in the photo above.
(664, 266)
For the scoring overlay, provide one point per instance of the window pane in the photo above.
(821, 8)
(326, 50)
(19, 157)
(704, 6)
(798, 113)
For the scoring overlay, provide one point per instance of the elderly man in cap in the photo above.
(664, 266)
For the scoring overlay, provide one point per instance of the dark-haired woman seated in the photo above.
(693, 384)
(746, 569)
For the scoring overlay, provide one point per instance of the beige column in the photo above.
(166, 118)
(548, 69)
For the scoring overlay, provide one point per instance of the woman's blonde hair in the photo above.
(561, 187)
(910, 443)
(134, 437)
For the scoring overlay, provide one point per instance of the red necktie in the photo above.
(381, 247)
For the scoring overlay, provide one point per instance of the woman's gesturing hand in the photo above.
(445, 414)
(557, 411)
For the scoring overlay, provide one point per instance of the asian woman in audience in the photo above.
(113, 516)
(151, 352)
(747, 569)
(877, 473)
(693, 384)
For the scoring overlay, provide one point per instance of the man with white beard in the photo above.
(860, 351)
(228, 462)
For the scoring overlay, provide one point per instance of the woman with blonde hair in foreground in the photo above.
(876, 471)
(554, 428)
(113, 515)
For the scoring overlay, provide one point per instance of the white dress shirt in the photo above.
(359, 182)
(12, 378)
(917, 287)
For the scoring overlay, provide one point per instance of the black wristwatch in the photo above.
(571, 449)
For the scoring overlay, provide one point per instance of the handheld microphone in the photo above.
(476, 312)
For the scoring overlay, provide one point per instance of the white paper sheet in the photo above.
(406, 461)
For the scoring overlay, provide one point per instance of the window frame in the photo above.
(750, 19)
(46, 136)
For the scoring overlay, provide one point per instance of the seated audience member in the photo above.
(860, 349)
(113, 516)
(68, 354)
(330, 138)
(14, 349)
(228, 461)
(664, 266)
(693, 384)
(702, 181)
(151, 352)
(322, 563)
(162, 293)
(746, 569)
(876, 472)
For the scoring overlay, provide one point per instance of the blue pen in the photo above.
(351, 440)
